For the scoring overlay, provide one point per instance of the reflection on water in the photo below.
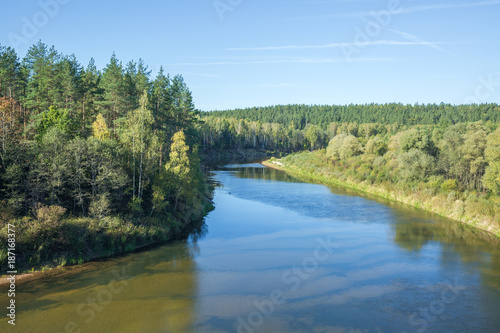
(151, 291)
(280, 255)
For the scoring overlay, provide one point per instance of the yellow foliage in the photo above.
(100, 129)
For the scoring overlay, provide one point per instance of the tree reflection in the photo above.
(149, 291)
(473, 246)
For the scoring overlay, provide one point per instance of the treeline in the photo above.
(103, 145)
(322, 115)
(234, 133)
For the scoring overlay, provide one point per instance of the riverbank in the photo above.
(442, 204)
(218, 156)
(58, 241)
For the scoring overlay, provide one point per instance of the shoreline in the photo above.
(28, 276)
(493, 230)
(57, 271)
(50, 269)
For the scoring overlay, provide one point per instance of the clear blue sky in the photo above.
(264, 52)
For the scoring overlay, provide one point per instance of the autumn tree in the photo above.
(100, 129)
(178, 167)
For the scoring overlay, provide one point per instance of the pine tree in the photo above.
(112, 104)
(90, 93)
(10, 79)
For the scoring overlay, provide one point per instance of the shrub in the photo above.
(51, 215)
(449, 185)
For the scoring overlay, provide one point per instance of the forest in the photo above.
(98, 162)
(450, 168)
(94, 162)
(393, 113)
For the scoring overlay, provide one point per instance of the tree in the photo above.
(350, 147)
(68, 77)
(492, 151)
(10, 76)
(8, 126)
(106, 174)
(417, 139)
(40, 65)
(491, 178)
(415, 164)
(112, 102)
(100, 129)
(161, 101)
(137, 135)
(343, 146)
(78, 173)
(55, 117)
(451, 162)
(473, 153)
(178, 166)
(90, 92)
(50, 172)
(376, 146)
(312, 135)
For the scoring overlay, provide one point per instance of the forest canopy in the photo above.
(81, 146)
(404, 114)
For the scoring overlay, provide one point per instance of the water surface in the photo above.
(280, 255)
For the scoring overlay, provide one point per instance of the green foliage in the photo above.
(491, 178)
(312, 135)
(417, 139)
(492, 152)
(445, 197)
(100, 206)
(415, 165)
(376, 146)
(449, 185)
(344, 146)
(92, 144)
(50, 215)
(54, 117)
(386, 114)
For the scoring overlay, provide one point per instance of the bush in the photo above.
(449, 185)
(51, 216)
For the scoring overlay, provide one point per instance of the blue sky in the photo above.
(243, 53)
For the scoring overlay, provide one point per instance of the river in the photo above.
(281, 255)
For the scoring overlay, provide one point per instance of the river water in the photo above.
(280, 255)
